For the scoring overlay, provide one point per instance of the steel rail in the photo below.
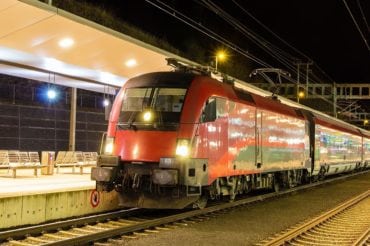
(364, 239)
(295, 232)
(15, 233)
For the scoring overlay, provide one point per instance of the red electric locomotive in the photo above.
(177, 139)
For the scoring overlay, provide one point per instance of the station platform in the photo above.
(29, 199)
(28, 184)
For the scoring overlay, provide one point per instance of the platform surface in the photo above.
(27, 184)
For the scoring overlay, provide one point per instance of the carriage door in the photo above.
(258, 138)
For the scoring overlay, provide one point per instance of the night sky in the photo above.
(322, 30)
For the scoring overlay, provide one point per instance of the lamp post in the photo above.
(220, 56)
(300, 94)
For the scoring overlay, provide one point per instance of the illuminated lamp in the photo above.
(220, 56)
(183, 148)
(106, 102)
(66, 42)
(51, 93)
(147, 116)
(131, 63)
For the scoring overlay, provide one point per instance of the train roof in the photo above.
(162, 79)
(365, 133)
(335, 124)
(274, 105)
(266, 103)
(260, 98)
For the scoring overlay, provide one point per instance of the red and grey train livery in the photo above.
(177, 139)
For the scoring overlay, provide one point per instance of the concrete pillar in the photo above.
(298, 82)
(335, 100)
(72, 120)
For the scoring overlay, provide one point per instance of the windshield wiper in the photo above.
(125, 126)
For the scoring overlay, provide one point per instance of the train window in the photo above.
(136, 99)
(221, 107)
(241, 94)
(169, 99)
(214, 109)
(165, 105)
(209, 111)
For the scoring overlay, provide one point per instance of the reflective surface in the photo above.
(334, 146)
(366, 149)
(284, 141)
(239, 139)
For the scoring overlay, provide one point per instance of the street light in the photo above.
(51, 93)
(106, 102)
(300, 94)
(220, 56)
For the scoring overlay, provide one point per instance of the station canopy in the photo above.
(41, 42)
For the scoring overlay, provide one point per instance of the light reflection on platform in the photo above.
(27, 184)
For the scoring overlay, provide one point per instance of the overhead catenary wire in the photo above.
(286, 59)
(187, 20)
(171, 11)
(282, 56)
(274, 50)
(282, 40)
(356, 24)
(363, 16)
(278, 53)
(269, 30)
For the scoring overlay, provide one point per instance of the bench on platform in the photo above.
(14, 160)
(15, 168)
(4, 157)
(74, 159)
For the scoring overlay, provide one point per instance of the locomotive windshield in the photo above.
(152, 108)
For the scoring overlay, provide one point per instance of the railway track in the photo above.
(115, 228)
(347, 224)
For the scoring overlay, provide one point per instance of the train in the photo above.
(180, 138)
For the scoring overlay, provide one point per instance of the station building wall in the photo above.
(28, 122)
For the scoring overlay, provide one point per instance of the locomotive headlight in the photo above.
(108, 148)
(147, 116)
(183, 148)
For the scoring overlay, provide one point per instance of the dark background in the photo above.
(322, 30)
(31, 122)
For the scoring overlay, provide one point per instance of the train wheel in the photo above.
(277, 186)
(201, 202)
(277, 183)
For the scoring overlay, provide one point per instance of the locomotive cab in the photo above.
(146, 152)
